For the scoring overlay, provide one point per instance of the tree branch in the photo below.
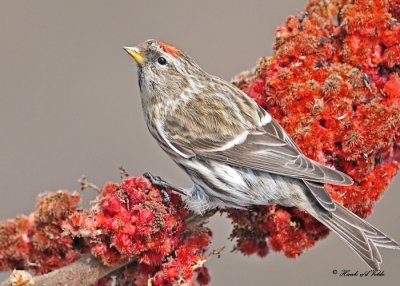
(87, 270)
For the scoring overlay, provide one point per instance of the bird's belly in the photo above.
(219, 185)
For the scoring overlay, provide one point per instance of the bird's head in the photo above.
(164, 70)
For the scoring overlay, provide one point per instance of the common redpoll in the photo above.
(236, 154)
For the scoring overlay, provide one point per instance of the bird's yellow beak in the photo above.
(136, 54)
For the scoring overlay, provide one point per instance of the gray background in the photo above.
(69, 105)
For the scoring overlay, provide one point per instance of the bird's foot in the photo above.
(157, 181)
(163, 185)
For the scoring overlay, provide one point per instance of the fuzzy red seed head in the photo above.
(37, 239)
(335, 88)
(130, 220)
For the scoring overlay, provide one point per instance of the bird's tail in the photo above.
(360, 235)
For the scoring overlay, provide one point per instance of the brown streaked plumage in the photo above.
(234, 152)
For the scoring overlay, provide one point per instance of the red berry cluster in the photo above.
(177, 269)
(36, 242)
(334, 86)
(285, 229)
(135, 220)
(130, 221)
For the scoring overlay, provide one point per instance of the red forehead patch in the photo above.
(169, 49)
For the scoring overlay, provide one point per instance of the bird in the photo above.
(236, 154)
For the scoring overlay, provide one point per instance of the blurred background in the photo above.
(69, 105)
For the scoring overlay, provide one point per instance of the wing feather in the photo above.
(317, 190)
(267, 153)
(253, 141)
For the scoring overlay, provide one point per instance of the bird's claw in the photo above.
(163, 185)
(156, 180)
(166, 197)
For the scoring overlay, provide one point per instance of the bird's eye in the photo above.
(162, 61)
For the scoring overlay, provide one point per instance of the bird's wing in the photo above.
(317, 190)
(267, 150)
